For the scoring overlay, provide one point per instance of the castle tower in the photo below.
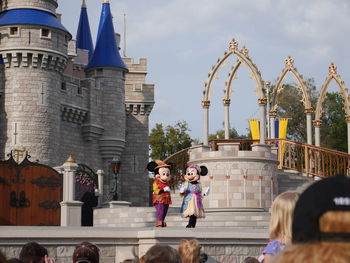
(139, 101)
(34, 51)
(108, 70)
(84, 40)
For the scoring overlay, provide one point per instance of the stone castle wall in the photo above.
(237, 179)
(118, 244)
(53, 107)
(139, 100)
(45, 5)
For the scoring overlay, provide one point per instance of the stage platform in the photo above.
(222, 244)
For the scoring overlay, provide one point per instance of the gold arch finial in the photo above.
(289, 62)
(83, 5)
(106, 1)
(332, 69)
(233, 45)
(70, 159)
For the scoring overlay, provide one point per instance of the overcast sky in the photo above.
(182, 40)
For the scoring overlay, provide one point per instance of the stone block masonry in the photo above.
(117, 244)
(54, 107)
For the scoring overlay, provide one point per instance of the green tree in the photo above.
(169, 140)
(290, 105)
(233, 134)
(334, 127)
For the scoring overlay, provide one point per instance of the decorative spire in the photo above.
(106, 52)
(84, 40)
(70, 159)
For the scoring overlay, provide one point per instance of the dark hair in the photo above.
(2, 258)
(86, 252)
(250, 260)
(32, 252)
(161, 254)
(14, 260)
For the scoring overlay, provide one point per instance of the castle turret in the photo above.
(34, 50)
(108, 69)
(84, 40)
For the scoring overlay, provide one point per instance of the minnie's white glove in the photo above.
(166, 189)
(206, 191)
(181, 188)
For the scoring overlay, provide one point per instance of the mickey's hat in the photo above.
(161, 164)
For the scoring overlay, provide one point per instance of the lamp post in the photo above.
(115, 165)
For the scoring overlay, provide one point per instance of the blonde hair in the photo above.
(282, 216)
(322, 252)
(189, 251)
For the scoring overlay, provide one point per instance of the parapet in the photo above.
(139, 66)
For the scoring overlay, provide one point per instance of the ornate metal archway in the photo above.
(243, 58)
(332, 75)
(301, 85)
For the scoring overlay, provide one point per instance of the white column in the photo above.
(70, 209)
(227, 118)
(99, 190)
(317, 136)
(309, 128)
(206, 105)
(348, 124)
(272, 127)
(267, 89)
(69, 169)
(262, 109)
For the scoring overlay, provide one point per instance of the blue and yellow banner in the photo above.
(281, 126)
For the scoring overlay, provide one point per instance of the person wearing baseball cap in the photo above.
(321, 224)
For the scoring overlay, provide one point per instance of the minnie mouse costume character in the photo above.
(161, 189)
(192, 194)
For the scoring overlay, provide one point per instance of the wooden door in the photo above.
(8, 189)
(40, 195)
(32, 194)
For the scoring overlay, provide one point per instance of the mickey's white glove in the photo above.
(166, 189)
(181, 188)
(206, 191)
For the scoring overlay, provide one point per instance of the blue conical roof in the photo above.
(84, 40)
(106, 52)
(30, 17)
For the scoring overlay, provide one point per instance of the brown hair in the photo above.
(32, 252)
(322, 252)
(189, 251)
(2, 258)
(86, 252)
(281, 216)
(161, 254)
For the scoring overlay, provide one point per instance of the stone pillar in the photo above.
(267, 89)
(227, 103)
(272, 114)
(205, 105)
(317, 124)
(308, 113)
(99, 191)
(70, 209)
(347, 118)
(262, 110)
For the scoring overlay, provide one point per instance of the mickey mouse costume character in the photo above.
(192, 194)
(161, 189)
